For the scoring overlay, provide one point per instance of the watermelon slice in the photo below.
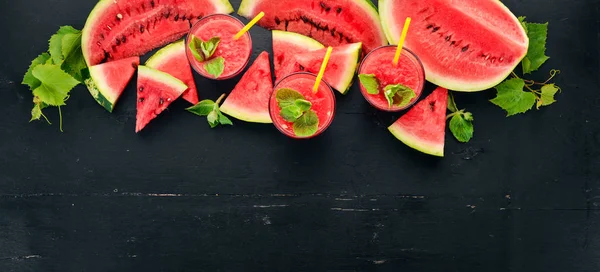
(464, 45)
(286, 45)
(423, 127)
(108, 80)
(155, 91)
(340, 68)
(172, 60)
(331, 22)
(249, 100)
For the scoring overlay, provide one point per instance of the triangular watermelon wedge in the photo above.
(340, 68)
(155, 91)
(172, 60)
(286, 45)
(249, 100)
(108, 80)
(423, 127)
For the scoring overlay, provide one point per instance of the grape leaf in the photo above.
(55, 46)
(55, 84)
(461, 127)
(29, 79)
(370, 82)
(215, 66)
(547, 95)
(536, 53)
(511, 97)
(307, 124)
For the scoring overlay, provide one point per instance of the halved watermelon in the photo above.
(155, 91)
(286, 45)
(340, 68)
(423, 127)
(464, 45)
(172, 60)
(108, 80)
(331, 22)
(119, 29)
(249, 100)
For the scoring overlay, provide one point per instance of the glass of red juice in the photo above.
(323, 102)
(235, 52)
(409, 72)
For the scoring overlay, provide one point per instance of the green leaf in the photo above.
(74, 65)
(209, 47)
(195, 48)
(55, 84)
(461, 127)
(511, 97)
(224, 120)
(55, 46)
(302, 104)
(213, 118)
(202, 108)
(451, 104)
(522, 21)
(36, 111)
(536, 53)
(369, 82)
(291, 113)
(215, 66)
(70, 44)
(29, 79)
(286, 97)
(307, 124)
(547, 95)
(398, 94)
(468, 116)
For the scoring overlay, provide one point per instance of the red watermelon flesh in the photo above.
(156, 90)
(463, 45)
(117, 29)
(172, 60)
(286, 45)
(423, 127)
(108, 80)
(249, 100)
(331, 22)
(341, 66)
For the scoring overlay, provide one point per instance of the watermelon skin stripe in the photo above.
(97, 95)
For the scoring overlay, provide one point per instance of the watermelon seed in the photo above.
(501, 59)
(167, 13)
(435, 29)
(447, 38)
(452, 43)
(98, 44)
(183, 17)
(141, 99)
(325, 7)
(277, 21)
(107, 26)
(141, 28)
(141, 89)
(464, 49)
(429, 26)
(123, 39)
(119, 16)
(118, 41)
(152, 3)
(338, 10)
(432, 105)
(176, 17)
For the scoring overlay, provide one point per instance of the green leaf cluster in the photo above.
(210, 109)
(296, 109)
(396, 94)
(204, 50)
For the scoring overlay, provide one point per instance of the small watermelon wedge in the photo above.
(423, 127)
(156, 90)
(172, 60)
(108, 80)
(340, 68)
(286, 45)
(249, 100)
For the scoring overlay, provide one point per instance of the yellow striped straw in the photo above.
(249, 25)
(322, 70)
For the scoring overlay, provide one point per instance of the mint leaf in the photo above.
(291, 113)
(369, 82)
(215, 66)
(202, 108)
(286, 97)
(536, 52)
(302, 104)
(29, 79)
(213, 119)
(451, 104)
(511, 97)
(461, 126)
(55, 46)
(55, 84)
(547, 95)
(195, 48)
(398, 94)
(224, 120)
(307, 124)
(209, 47)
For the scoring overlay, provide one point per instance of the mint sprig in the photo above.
(53, 74)
(461, 121)
(296, 109)
(210, 109)
(398, 95)
(215, 66)
(370, 82)
(203, 50)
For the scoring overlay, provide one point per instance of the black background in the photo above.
(523, 195)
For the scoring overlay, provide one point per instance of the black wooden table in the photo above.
(523, 195)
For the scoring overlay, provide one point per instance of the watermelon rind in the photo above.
(163, 54)
(240, 114)
(96, 93)
(144, 71)
(299, 39)
(414, 142)
(386, 15)
(350, 68)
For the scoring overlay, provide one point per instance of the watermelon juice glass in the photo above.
(235, 52)
(323, 102)
(409, 72)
